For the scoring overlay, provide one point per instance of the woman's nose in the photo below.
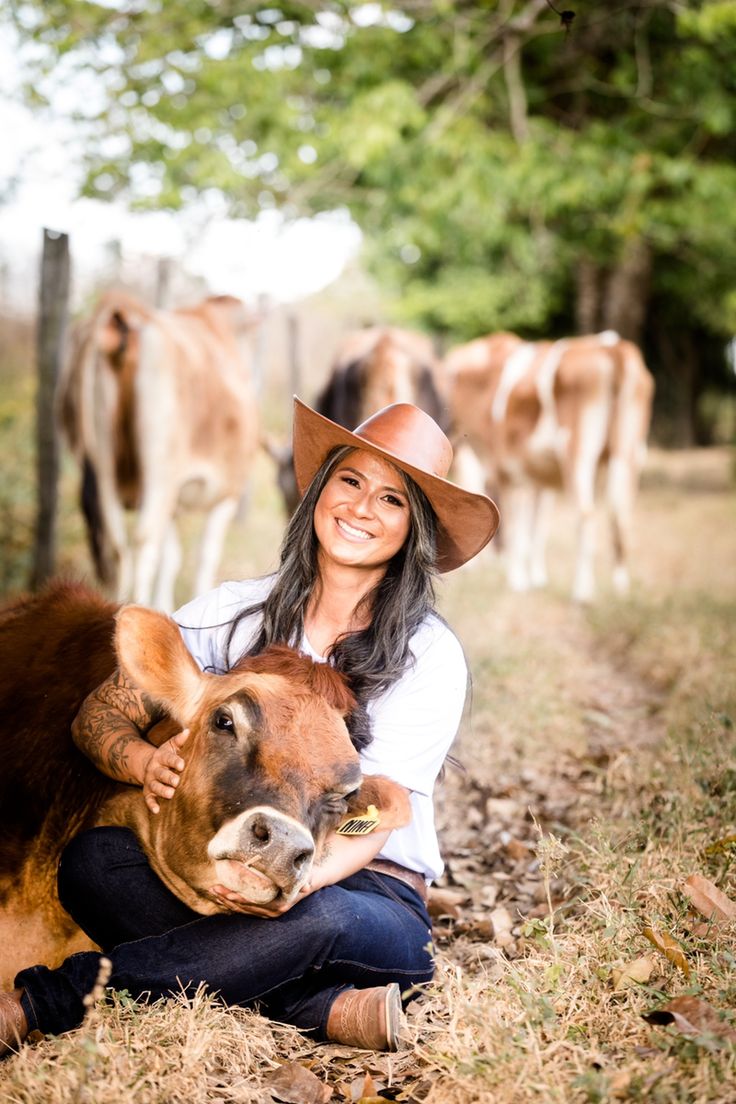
(363, 505)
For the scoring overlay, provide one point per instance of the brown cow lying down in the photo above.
(270, 768)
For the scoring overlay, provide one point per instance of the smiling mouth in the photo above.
(349, 531)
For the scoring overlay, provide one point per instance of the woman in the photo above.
(354, 588)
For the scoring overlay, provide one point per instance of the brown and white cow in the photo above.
(160, 412)
(270, 767)
(371, 368)
(547, 416)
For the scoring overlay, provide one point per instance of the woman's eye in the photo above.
(393, 500)
(224, 722)
(350, 480)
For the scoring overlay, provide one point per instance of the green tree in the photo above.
(509, 171)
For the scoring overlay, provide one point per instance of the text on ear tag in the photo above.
(360, 825)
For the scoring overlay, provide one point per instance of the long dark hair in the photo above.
(373, 658)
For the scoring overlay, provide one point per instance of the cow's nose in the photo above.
(277, 838)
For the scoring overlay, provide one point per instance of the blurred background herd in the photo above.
(507, 167)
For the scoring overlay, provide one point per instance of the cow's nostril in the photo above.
(261, 832)
(302, 859)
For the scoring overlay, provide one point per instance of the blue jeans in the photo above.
(369, 929)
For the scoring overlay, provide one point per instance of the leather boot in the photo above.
(13, 1025)
(367, 1018)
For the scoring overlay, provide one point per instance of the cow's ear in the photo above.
(152, 653)
(390, 799)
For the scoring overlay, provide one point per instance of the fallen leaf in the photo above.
(502, 921)
(634, 973)
(480, 929)
(363, 1088)
(444, 902)
(692, 1016)
(293, 1083)
(517, 850)
(669, 947)
(488, 895)
(718, 847)
(619, 1085)
(504, 807)
(709, 900)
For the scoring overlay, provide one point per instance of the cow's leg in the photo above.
(102, 506)
(546, 499)
(519, 517)
(120, 552)
(151, 530)
(624, 468)
(467, 469)
(213, 539)
(114, 540)
(171, 559)
(583, 486)
(581, 478)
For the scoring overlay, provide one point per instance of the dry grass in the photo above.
(615, 727)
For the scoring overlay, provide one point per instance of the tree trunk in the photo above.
(588, 296)
(52, 318)
(627, 291)
(676, 387)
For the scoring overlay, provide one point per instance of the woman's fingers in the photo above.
(152, 803)
(165, 786)
(163, 772)
(233, 902)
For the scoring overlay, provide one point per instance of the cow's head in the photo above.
(270, 768)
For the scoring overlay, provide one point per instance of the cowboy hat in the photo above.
(409, 439)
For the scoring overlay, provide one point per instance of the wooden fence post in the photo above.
(52, 318)
(295, 359)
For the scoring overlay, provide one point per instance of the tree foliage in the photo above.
(511, 169)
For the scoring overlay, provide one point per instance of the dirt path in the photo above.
(555, 738)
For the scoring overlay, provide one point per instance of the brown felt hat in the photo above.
(413, 442)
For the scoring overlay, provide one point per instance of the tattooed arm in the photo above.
(110, 728)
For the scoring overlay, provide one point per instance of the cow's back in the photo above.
(378, 366)
(55, 647)
(471, 374)
(196, 406)
(47, 787)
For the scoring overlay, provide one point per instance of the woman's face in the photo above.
(362, 516)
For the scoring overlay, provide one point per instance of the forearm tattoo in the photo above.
(112, 721)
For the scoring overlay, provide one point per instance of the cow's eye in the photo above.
(335, 803)
(224, 722)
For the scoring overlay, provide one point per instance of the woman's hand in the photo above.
(163, 769)
(231, 901)
(340, 857)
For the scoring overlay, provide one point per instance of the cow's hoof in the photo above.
(13, 1026)
(368, 1018)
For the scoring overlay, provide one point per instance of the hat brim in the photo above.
(466, 521)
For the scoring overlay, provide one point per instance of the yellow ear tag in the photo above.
(361, 825)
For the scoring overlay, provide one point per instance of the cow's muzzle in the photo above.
(263, 854)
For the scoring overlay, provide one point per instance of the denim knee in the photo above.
(85, 862)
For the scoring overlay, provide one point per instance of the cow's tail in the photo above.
(85, 426)
(89, 497)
